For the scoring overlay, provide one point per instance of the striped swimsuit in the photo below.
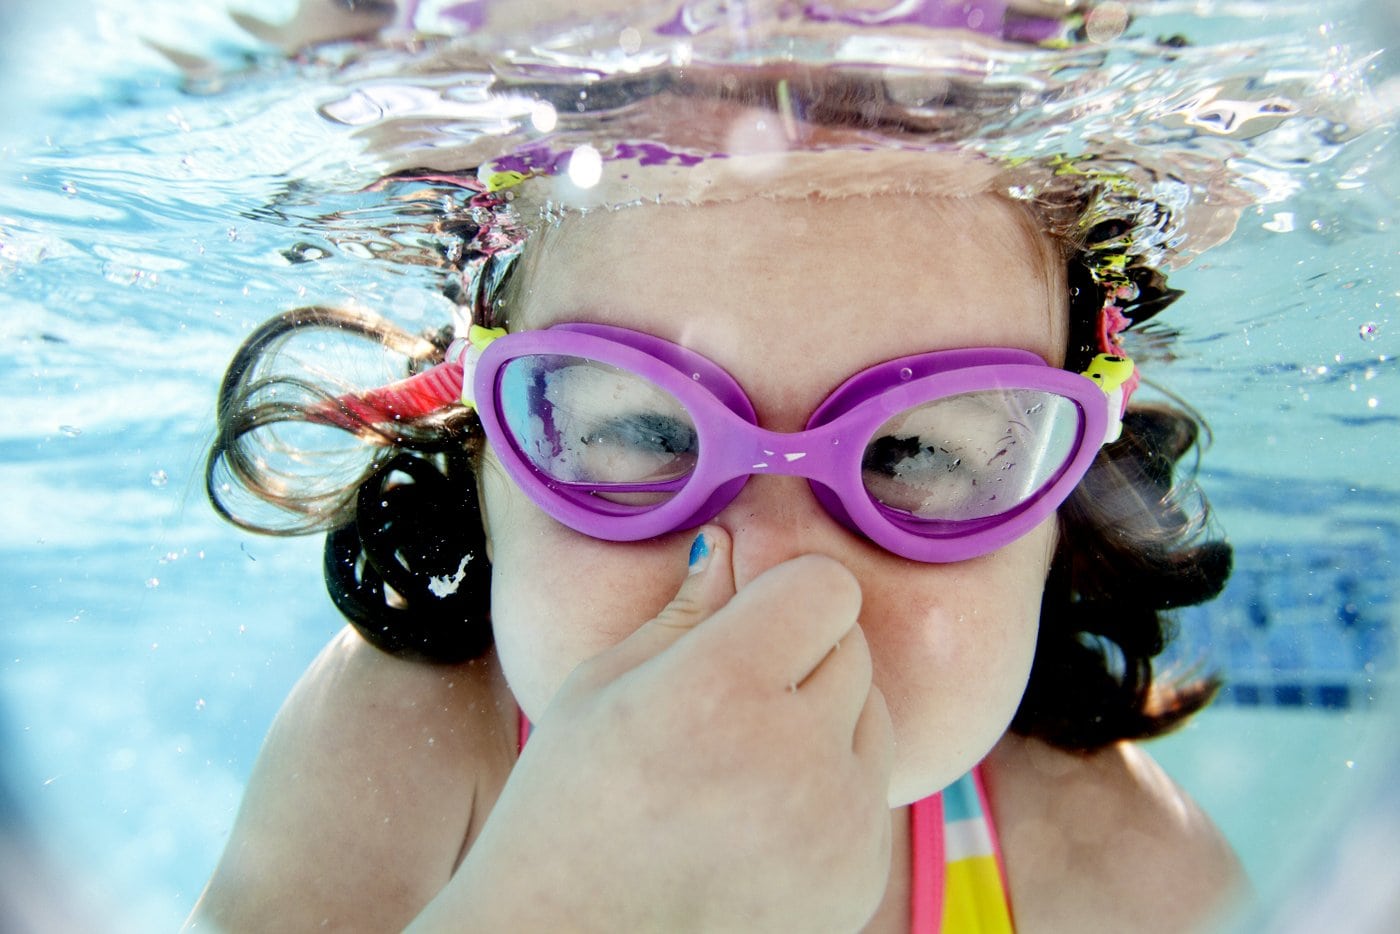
(958, 885)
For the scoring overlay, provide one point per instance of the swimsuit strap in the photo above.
(958, 883)
(926, 874)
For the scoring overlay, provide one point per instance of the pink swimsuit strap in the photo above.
(926, 865)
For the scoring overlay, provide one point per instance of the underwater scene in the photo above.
(175, 173)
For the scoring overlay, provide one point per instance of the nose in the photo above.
(776, 518)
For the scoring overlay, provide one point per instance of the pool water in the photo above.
(149, 219)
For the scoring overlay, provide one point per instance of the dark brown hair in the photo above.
(1133, 546)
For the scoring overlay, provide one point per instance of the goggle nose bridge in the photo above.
(813, 454)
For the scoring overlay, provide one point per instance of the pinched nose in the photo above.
(776, 518)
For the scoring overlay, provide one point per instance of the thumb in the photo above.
(708, 586)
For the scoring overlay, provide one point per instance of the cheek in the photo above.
(953, 656)
(559, 598)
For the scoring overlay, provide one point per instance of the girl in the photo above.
(777, 482)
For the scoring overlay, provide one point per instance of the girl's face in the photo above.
(791, 297)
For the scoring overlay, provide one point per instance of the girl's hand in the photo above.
(723, 768)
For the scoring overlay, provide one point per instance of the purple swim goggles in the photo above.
(937, 457)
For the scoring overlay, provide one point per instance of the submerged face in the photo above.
(791, 297)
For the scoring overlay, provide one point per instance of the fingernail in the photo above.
(699, 554)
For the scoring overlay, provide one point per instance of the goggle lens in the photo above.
(969, 456)
(597, 427)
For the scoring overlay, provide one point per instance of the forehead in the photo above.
(842, 283)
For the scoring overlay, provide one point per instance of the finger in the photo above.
(780, 627)
(708, 586)
(842, 679)
(873, 741)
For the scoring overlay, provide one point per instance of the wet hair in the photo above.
(1130, 550)
(405, 554)
(406, 564)
(1133, 545)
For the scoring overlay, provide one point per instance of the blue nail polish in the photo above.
(699, 551)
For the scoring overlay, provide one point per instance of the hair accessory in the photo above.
(467, 352)
(1113, 374)
(405, 400)
(422, 394)
(499, 179)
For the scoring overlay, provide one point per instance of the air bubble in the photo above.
(1369, 331)
(159, 478)
(71, 431)
(303, 252)
(1106, 22)
(152, 583)
(585, 166)
(906, 374)
(543, 116)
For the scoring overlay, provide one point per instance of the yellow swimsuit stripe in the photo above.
(974, 892)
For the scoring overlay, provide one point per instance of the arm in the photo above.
(727, 711)
(374, 775)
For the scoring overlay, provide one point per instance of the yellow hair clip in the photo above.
(1112, 373)
(468, 352)
(500, 181)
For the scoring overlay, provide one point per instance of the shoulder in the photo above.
(362, 712)
(1105, 841)
(374, 776)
